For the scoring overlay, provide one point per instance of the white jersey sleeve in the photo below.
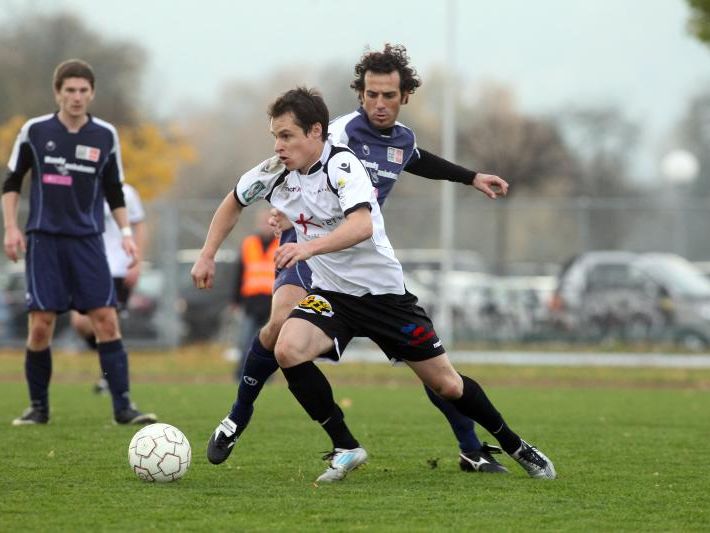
(347, 176)
(258, 183)
(134, 206)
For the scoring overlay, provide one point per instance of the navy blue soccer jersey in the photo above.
(69, 173)
(385, 154)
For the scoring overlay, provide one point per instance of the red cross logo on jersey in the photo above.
(305, 221)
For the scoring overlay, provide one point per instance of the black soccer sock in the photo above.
(312, 390)
(259, 366)
(461, 425)
(38, 371)
(114, 364)
(475, 404)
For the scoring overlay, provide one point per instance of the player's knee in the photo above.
(288, 353)
(40, 330)
(448, 388)
(105, 324)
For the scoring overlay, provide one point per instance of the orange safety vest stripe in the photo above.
(258, 277)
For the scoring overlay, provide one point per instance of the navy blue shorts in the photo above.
(298, 275)
(65, 273)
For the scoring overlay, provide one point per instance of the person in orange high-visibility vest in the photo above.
(254, 280)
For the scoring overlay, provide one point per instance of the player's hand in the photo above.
(131, 279)
(129, 246)
(14, 243)
(279, 222)
(203, 273)
(490, 185)
(291, 253)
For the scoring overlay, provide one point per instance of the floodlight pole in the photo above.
(444, 323)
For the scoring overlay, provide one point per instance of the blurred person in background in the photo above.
(125, 271)
(253, 284)
(384, 81)
(75, 164)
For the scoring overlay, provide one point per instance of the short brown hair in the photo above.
(72, 68)
(307, 106)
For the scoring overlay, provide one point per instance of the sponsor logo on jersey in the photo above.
(344, 167)
(365, 150)
(87, 153)
(57, 179)
(341, 182)
(305, 222)
(316, 305)
(50, 146)
(395, 155)
(253, 191)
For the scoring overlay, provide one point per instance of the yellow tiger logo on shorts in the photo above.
(317, 305)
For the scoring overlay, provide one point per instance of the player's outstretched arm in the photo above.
(356, 228)
(434, 167)
(224, 219)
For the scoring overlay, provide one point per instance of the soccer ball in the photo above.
(159, 452)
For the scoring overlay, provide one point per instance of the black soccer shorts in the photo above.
(394, 322)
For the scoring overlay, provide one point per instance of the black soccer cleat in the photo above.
(32, 416)
(222, 441)
(482, 460)
(130, 415)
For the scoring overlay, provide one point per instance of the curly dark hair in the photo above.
(393, 57)
(307, 106)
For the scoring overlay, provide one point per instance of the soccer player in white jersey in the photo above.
(124, 270)
(358, 287)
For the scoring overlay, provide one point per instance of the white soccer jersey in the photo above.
(317, 203)
(118, 260)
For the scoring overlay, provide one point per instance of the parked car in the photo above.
(648, 296)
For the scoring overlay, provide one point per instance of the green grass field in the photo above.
(630, 447)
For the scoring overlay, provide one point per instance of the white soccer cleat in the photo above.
(535, 463)
(342, 461)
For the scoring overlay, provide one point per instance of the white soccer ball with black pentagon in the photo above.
(159, 452)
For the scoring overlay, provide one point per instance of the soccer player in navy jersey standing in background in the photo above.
(75, 163)
(384, 80)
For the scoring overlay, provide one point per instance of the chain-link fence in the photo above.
(519, 245)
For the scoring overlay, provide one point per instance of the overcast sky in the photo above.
(635, 54)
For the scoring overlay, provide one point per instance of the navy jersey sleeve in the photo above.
(113, 188)
(437, 168)
(20, 162)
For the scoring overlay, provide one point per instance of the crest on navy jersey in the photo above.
(50, 146)
(395, 155)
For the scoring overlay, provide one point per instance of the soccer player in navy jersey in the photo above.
(357, 283)
(75, 163)
(383, 82)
